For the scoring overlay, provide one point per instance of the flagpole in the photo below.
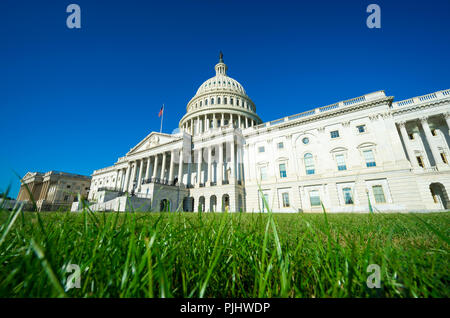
(162, 116)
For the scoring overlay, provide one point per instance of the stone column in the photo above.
(117, 178)
(127, 177)
(199, 166)
(430, 140)
(147, 170)
(233, 163)
(210, 175)
(139, 181)
(231, 120)
(409, 150)
(155, 168)
(171, 167)
(180, 168)
(222, 121)
(133, 176)
(241, 165)
(246, 122)
(220, 165)
(163, 167)
(214, 121)
(447, 119)
(239, 121)
(192, 126)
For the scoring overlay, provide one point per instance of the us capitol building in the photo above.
(361, 153)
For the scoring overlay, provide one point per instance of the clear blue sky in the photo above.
(76, 100)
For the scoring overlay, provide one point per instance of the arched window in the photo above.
(237, 102)
(231, 101)
(225, 100)
(206, 102)
(218, 100)
(309, 163)
(200, 103)
(212, 101)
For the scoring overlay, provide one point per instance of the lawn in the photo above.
(223, 254)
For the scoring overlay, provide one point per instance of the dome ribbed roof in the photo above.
(221, 81)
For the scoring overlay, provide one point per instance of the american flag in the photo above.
(161, 111)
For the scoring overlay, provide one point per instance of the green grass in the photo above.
(223, 254)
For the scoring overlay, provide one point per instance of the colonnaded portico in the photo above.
(367, 152)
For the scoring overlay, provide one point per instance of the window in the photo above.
(444, 158)
(218, 100)
(341, 162)
(378, 194)
(225, 100)
(237, 102)
(66, 197)
(263, 173)
(280, 145)
(200, 103)
(420, 161)
(264, 201)
(283, 170)
(370, 160)
(231, 101)
(68, 186)
(314, 198)
(348, 196)
(212, 101)
(305, 140)
(334, 134)
(361, 128)
(261, 149)
(309, 163)
(206, 102)
(411, 136)
(285, 196)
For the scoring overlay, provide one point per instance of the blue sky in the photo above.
(76, 100)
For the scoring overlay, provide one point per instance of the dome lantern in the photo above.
(221, 67)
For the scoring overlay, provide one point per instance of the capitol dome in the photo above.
(220, 101)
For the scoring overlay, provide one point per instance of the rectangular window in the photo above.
(283, 170)
(420, 161)
(261, 149)
(378, 194)
(334, 134)
(263, 173)
(280, 145)
(444, 158)
(370, 159)
(285, 200)
(348, 196)
(341, 162)
(361, 128)
(265, 202)
(314, 198)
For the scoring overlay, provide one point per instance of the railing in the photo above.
(159, 181)
(349, 102)
(422, 99)
(108, 189)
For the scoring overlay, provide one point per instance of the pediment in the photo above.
(153, 140)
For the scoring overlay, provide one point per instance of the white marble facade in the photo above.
(394, 155)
